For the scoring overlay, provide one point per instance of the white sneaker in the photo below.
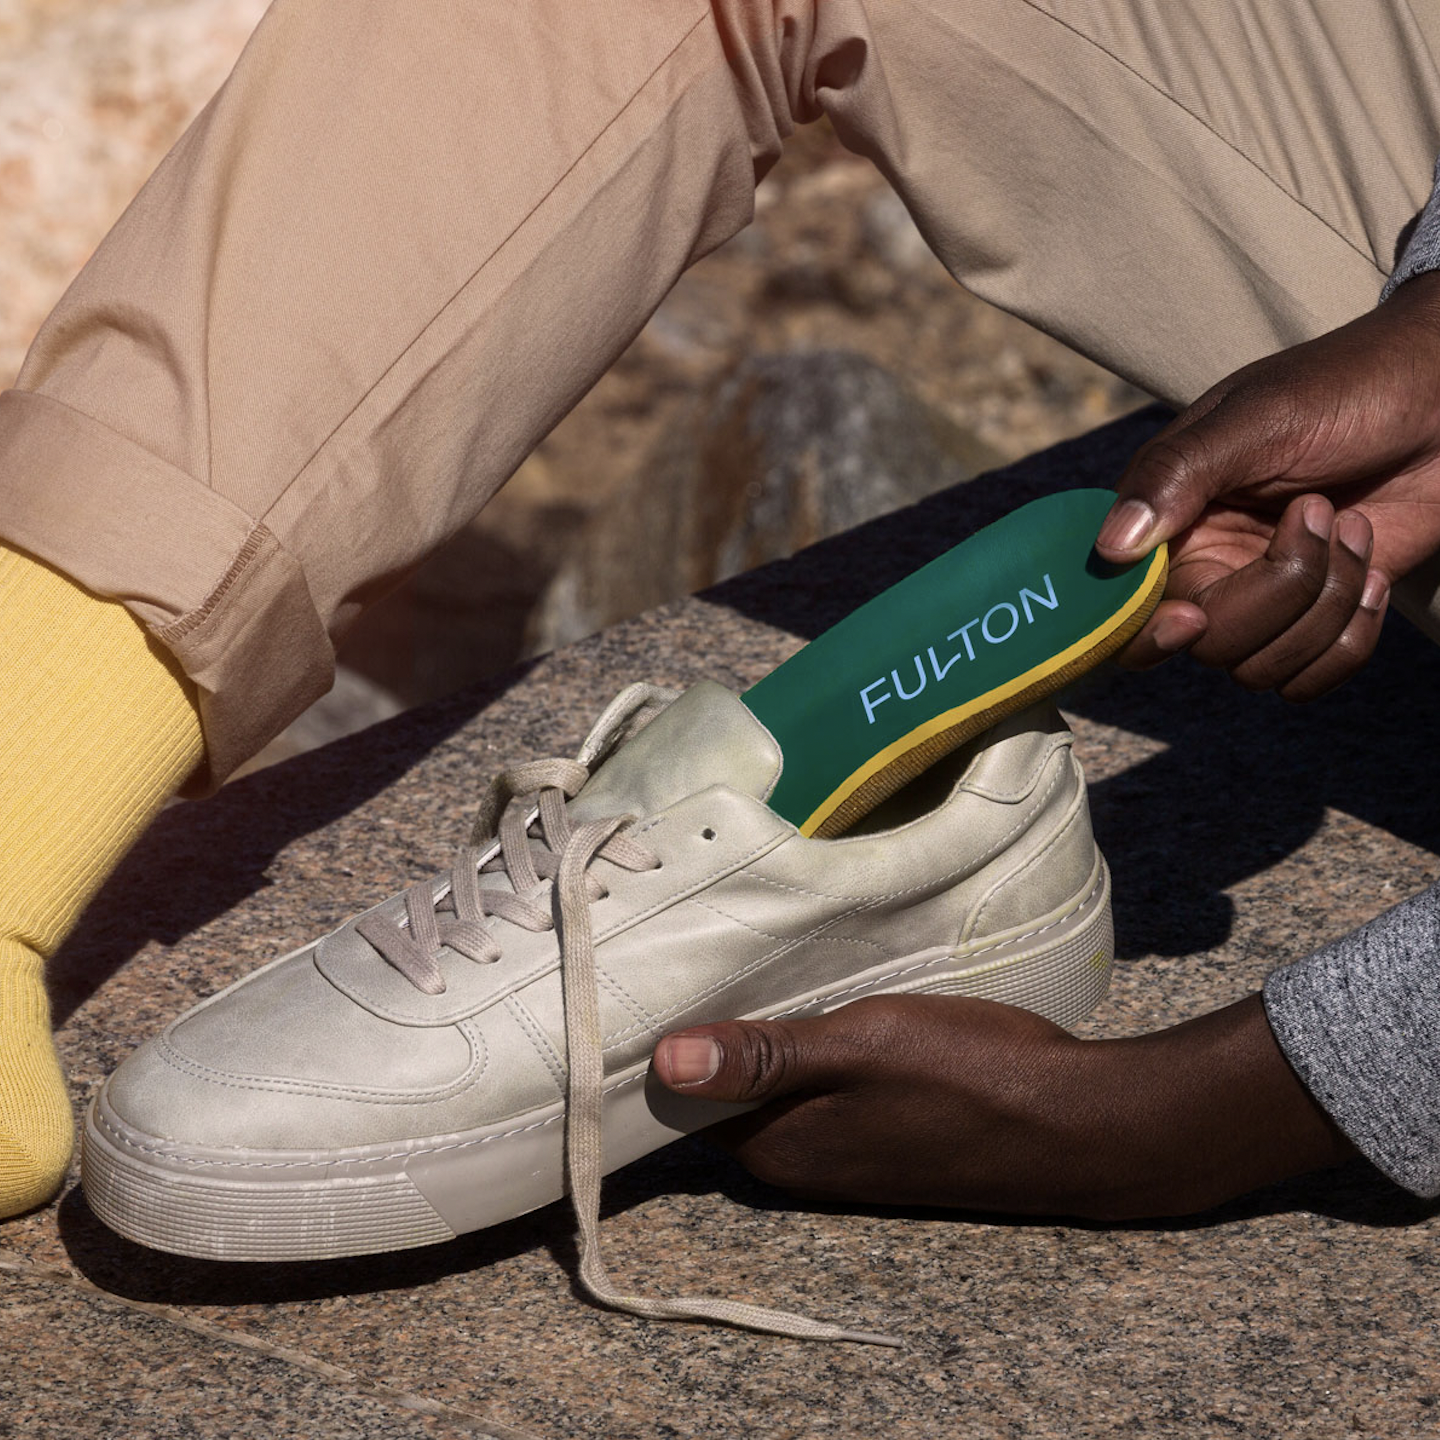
(404, 1079)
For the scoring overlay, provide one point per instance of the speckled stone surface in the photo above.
(1241, 832)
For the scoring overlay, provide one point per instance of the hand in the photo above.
(936, 1100)
(1294, 493)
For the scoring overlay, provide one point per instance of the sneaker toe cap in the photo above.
(284, 1061)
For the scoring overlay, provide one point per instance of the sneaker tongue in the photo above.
(706, 737)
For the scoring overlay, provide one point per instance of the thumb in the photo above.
(746, 1061)
(1217, 446)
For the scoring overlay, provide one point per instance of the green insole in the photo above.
(1011, 614)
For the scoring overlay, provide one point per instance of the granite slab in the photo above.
(1242, 833)
(125, 1370)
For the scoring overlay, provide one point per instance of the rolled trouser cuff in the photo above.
(210, 583)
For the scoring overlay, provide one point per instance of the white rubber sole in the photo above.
(293, 1205)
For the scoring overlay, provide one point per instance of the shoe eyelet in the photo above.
(707, 833)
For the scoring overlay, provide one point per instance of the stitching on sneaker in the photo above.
(662, 1017)
(1020, 939)
(736, 920)
(636, 1009)
(859, 909)
(1076, 810)
(551, 965)
(549, 1056)
(940, 881)
(127, 1143)
(287, 1085)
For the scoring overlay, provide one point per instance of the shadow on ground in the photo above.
(1246, 779)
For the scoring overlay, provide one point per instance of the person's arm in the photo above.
(970, 1105)
(931, 1100)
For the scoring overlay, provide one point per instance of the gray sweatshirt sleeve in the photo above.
(1360, 1020)
(1422, 250)
(1360, 1023)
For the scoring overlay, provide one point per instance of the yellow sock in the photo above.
(96, 730)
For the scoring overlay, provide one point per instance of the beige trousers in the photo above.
(407, 235)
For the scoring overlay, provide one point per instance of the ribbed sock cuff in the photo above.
(97, 729)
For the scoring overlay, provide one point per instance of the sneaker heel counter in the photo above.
(1056, 862)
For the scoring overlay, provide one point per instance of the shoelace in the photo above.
(563, 854)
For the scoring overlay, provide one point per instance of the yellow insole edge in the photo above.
(900, 762)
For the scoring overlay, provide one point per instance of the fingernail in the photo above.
(1127, 525)
(692, 1059)
(1172, 634)
(1377, 588)
(1354, 534)
(1317, 516)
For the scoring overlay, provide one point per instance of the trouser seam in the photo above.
(1206, 126)
(254, 543)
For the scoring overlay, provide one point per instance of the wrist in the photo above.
(1186, 1118)
(1418, 296)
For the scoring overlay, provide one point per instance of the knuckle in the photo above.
(1339, 597)
(1302, 577)
(1228, 436)
(767, 1060)
(1329, 671)
(1355, 646)
(1165, 469)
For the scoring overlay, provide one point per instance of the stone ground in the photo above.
(1308, 1310)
